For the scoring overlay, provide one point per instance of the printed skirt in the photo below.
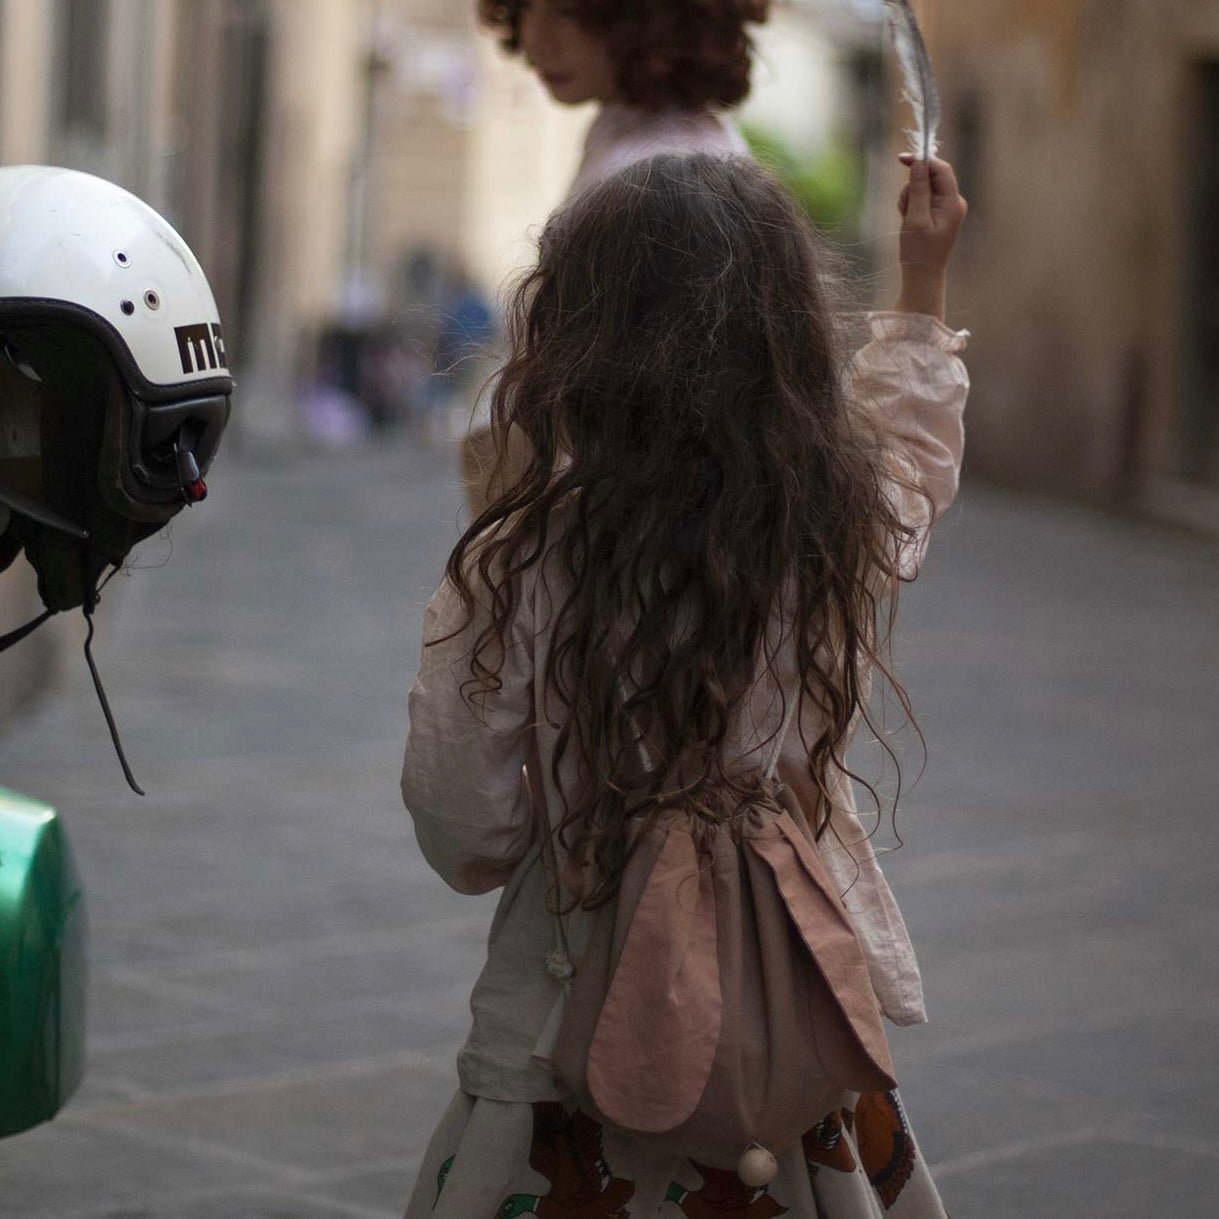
(503, 1159)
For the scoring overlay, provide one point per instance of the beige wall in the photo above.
(470, 154)
(25, 68)
(139, 118)
(524, 154)
(316, 83)
(1069, 274)
(310, 146)
(456, 150)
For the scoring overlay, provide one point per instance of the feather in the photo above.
(918, 80)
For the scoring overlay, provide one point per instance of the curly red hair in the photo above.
(683, 53)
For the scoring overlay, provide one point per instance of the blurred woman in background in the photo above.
(664, 73)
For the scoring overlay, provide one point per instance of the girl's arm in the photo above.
(911, 379)
(462, 775)
(910, 376)
(932, 210)
(912, 382)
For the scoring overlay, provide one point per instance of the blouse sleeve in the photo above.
(911, 378)
(462, 775)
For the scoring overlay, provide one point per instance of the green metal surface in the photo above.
(42, 965)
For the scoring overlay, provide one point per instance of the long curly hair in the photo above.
(696, 475)
(679, 53)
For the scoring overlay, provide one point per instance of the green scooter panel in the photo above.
(42, 965)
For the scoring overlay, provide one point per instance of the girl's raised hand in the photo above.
(933, 211)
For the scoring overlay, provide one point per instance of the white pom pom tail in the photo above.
(757, 1166)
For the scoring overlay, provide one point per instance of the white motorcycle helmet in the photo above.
(114, 381)
(117, 387)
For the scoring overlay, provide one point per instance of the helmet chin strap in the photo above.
(90, 604)
(27, 506)
(7, 641)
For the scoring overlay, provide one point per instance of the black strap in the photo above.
(7, 641)
(101, 696)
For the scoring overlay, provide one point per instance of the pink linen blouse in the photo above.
(462, 776)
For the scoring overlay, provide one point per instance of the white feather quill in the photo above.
(918, 80)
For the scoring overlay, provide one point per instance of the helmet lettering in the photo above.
(201, 347)
(218, 341)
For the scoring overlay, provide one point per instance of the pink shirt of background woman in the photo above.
(621, 135)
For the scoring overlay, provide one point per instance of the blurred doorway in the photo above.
(81, 35)
(1197, 449)
(223, 96)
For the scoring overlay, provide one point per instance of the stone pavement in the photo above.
(279, 984)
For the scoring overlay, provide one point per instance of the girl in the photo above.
(662, 72)
(716, 507)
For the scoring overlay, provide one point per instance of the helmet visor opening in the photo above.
(23, 418)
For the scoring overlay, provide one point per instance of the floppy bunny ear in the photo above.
(856, 1040)
(665, 994)
(918, 80)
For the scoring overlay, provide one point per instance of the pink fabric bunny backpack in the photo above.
(722, 1005)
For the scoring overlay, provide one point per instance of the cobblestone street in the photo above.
(279, 984)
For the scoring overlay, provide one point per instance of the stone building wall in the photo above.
(1072, 122)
